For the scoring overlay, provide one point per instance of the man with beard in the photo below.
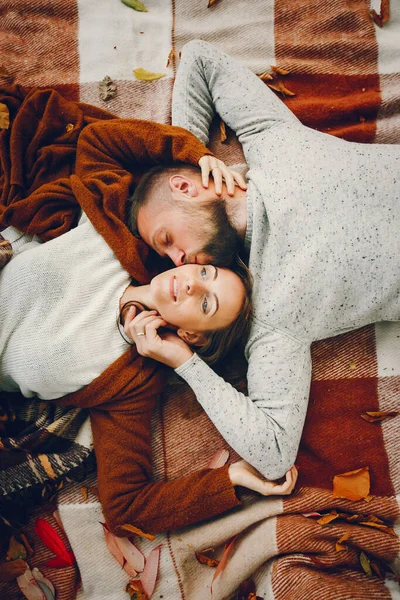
(321, 232)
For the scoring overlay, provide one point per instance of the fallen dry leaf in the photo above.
(384, 14)
(222, 137)
(211, 3)
(246, 590)
(149, 575)
(377, 570)
(84, 492)
(280, 88)
(339, 546)
(385, 528)
(279, 70)
(353, 485)
(265, 76)
(137, 531)
(365, 563)
(4, 116)
(223, 560)
(16, 549)
(378, 416)
(144, 75)
(206, 560)
(136, 591)
(352, 366)
(135, 4)
(170, 57)
(325, 519)
(368, 498)
(108, 89)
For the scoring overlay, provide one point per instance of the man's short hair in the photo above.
(154, 184)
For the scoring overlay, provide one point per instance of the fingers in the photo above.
(220, 172)
(239, 180)
(288, 485)
(143, 325)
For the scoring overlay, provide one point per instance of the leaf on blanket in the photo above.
(222, 131)
(223, 560)
(4, 116)
(340, 546)
(144, 75)
(112, 545)
(376, 569)
(108, 89)
(246, 588)
(126, 553)
(219, 459)
(280, 88)
(135, 4)
(137, 531)
(279, 70)
(365, 563)
(53, 541)
(206, 560)
(16, 549)
(149, 575)
(136, 591)
(84, 492)
(34, 586)
(211, 3)
(353, 485)
(325, 519)
(384, 528)
(378, 416)
(312, 514)
(384, 15)
(170, 57)
(265, 76)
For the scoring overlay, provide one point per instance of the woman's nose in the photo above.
(193, 286)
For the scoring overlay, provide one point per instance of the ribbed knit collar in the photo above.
(249, 224)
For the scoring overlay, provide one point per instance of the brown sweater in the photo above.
(42, 195)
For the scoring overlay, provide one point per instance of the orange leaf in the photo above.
(279, 70)
(224, 560)
(4, 116)
(375, 567)
(137, 531)
(211, 3)
(206, 560)
(222, 137)
(170, 57)
(353, 485)
(368, 498)
(325, 519)
(384, 15)
(379, 526)
(280, 88)
(265, 76)
(220, 457)
(135, 590)
(84, 492)
(339, 544)
(378, 416)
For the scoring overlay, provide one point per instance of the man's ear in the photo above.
(192, 338)
(185, 185)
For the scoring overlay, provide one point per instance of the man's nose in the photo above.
(177, 256)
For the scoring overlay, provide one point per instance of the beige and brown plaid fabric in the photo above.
(6, 251)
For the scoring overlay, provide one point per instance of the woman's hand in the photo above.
(241, 473)
(219, 170)
(168, 348)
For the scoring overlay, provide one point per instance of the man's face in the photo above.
(194, 232)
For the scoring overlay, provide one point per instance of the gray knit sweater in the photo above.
(323, 223)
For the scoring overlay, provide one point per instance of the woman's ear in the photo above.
(192, 338)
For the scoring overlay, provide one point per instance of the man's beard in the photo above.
(223, 241)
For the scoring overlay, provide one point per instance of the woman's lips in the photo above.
(173, 288)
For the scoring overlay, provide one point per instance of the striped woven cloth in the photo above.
(345, 74)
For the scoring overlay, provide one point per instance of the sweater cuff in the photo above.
(196, 372)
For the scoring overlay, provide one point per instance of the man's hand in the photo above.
(219, 170)
(241, 473)
(168, 348)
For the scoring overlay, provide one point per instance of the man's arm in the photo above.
(210, 81)
(264, 427)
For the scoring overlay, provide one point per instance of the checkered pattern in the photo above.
(345, 74)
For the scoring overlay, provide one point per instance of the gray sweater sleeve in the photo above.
(265, 427)
(210, 81)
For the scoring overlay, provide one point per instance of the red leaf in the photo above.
(149, 575)
(224, 560)
(219, 459)
(206, 560)
(57, 563)
(52, 540)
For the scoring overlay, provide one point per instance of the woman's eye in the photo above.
(203, 272)
(205, 304)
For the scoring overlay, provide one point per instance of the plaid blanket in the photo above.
(344, 72)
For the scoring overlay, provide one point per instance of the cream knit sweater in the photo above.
(59, 304)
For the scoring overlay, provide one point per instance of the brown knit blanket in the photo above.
(344, 71)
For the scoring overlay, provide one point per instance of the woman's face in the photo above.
(198, 297)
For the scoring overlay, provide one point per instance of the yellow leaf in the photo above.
(339, 544)
(325, 519)
(135, 4)
(279, 70)
(365, 563)
(265, 76)
(170, 57)
(144, 75)
(280, 88)
(385, 528)
(4, 116)
(353, 485)
(222, 131)
(377, 416)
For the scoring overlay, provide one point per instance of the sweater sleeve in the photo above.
(121, 435)
(210, 81)
(264, 427)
